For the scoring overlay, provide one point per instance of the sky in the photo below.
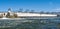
(36, 5)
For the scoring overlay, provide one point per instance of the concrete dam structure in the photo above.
(10, 14)
(19, 14)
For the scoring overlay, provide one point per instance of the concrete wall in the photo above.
(27, 14)
(48, 14)
(34, 14)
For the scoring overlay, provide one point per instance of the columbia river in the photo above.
(31, 24)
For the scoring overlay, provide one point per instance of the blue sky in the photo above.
(37, 5)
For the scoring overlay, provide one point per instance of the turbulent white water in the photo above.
(4, 18)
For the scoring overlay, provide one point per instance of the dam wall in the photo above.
(35, 14)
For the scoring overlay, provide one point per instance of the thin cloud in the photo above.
(56, 10)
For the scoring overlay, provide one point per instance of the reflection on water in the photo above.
(31, 24)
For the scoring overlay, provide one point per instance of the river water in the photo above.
(30, 24)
